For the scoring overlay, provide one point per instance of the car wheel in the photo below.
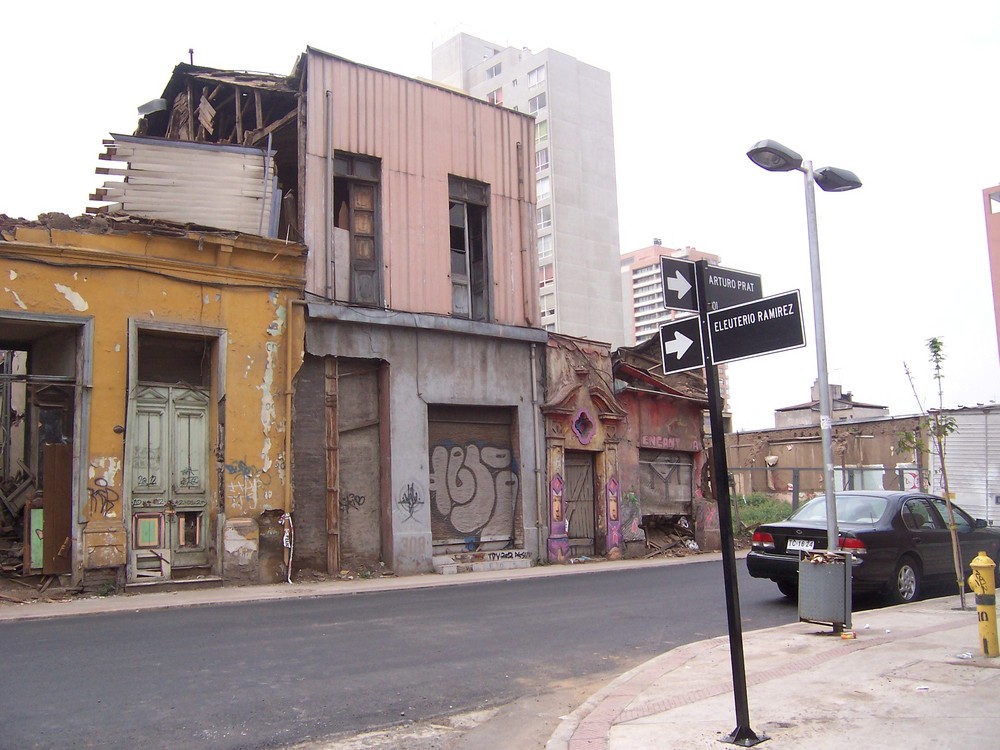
(789, 588)
(905, 584)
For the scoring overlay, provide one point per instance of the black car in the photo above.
(900, 541)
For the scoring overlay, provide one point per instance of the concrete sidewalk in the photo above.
(913, 678)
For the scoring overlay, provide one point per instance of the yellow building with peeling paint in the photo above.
(145, 373)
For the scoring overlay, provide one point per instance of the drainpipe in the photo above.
(541, 500)
(528, 287)
(329, 269)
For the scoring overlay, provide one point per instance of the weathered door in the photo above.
(168, 450)
(580, 502)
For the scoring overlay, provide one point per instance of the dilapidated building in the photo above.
(416, 435)
(143, 372)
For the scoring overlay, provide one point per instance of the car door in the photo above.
(928, 537)
(971, 539)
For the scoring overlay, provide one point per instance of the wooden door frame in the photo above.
(215, 435)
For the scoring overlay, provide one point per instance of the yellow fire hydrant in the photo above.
(983, 583)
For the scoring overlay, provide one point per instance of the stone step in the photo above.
(475, 562)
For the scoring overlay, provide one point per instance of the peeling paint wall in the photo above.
(241, 285)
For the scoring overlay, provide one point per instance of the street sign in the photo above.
(771, 324)
(679, 289)
(726, 287)
(680, 345)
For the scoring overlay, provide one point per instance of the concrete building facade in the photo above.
(574, 167)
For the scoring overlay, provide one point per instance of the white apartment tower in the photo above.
(576, 195)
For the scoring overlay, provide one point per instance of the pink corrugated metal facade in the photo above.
(422, 134)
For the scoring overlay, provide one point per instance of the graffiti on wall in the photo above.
(349, 501)
(247, 486)
(473, 489)
(410, 502)
(102, 498)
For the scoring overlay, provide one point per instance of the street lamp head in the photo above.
(835, 180)
(774, 157)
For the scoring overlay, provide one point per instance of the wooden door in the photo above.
(168, 501)
(580, 503)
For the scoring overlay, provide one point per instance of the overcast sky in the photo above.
(902, 93)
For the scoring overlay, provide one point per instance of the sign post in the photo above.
(734, 321)
(743, 734)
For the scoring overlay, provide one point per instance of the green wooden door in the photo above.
(168, 450)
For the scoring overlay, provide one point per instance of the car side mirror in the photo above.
(980, 523)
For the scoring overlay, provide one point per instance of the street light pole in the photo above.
(774, 157)
(825, 407)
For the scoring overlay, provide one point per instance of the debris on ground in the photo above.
(669, 536)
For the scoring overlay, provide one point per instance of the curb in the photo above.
(589, 726)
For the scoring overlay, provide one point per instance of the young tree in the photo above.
(940, 426)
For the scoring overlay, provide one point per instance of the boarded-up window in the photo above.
(665, 480)
(474, 482)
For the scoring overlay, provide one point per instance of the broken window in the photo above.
(355, 212)
(468, 211)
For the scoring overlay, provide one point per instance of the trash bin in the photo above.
(825, 589)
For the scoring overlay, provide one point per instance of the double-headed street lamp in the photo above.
(774, 157)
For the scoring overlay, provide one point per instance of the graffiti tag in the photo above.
(349, 501)
(102, 497)
(410, 502)
(473, 488)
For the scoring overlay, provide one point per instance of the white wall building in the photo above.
(577, 204)
(972, 456)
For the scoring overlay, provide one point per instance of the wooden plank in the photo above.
(332, 469)
(57, 504)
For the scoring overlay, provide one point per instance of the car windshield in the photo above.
(850, 509)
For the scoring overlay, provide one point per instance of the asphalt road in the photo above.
(270, 674)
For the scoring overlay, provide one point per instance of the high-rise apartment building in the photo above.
(642, 288)
(576, 196)
(642, 293)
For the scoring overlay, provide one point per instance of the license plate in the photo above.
(800, 544)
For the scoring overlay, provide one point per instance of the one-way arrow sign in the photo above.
(680, 345)
(677, 277)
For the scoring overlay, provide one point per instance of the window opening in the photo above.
(543, 216)
(541, 131)
(536, 103)
(355, 210)
(541, 159)
(468, 211)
